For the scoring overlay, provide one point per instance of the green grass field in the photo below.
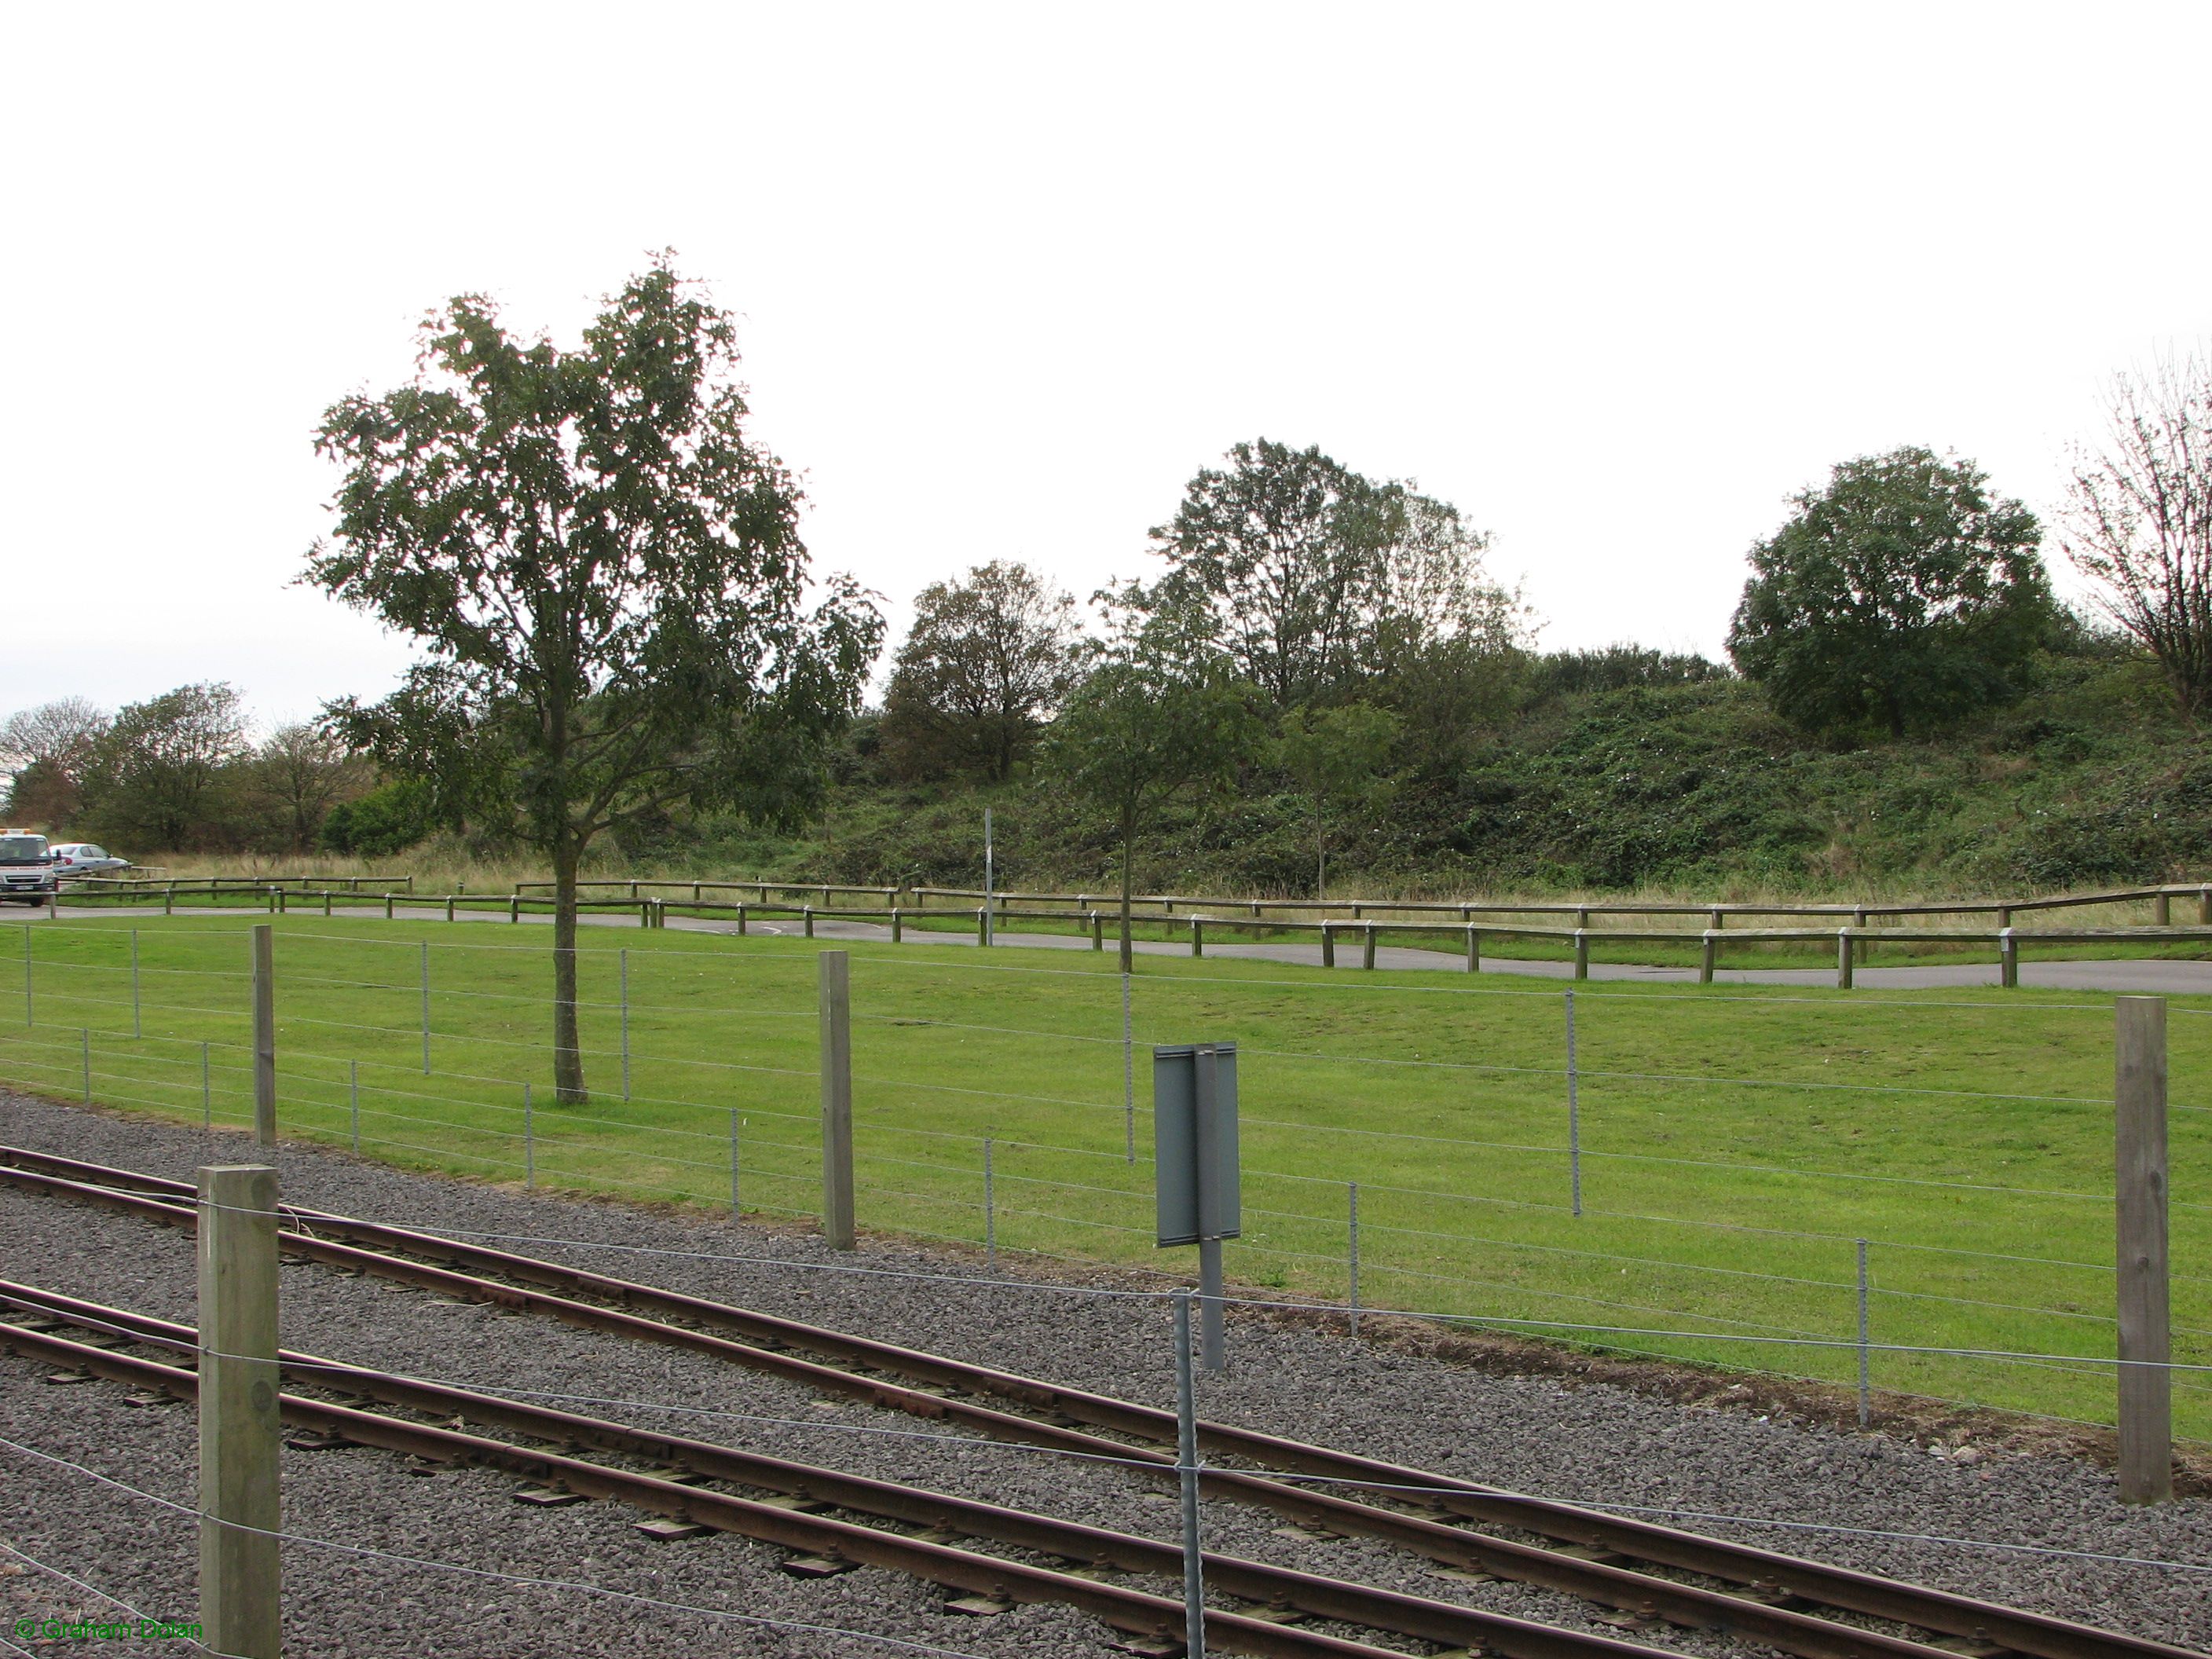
(1735, 1141)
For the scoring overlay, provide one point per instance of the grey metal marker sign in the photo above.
(1195, 1163)
(1194, 1142)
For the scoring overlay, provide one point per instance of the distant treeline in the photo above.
(1324, 674)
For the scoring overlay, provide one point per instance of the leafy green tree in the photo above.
(1336, 757)
(159, 777)
(1159, 713)
(989, 659)
(1903, 595)
(1320, 582)
(605, 574)
(390, 819)
(42, 796)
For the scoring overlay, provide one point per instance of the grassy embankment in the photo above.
(1733, 1142)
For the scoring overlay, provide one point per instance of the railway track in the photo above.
(1641, 1572)
(802, 1513)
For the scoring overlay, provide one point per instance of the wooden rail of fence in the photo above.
(1853, 943)
(1861, 915)
(199, 883)
(699, 889)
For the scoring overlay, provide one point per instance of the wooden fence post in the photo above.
(1705, 957)
(1328, 944)
(2146, 1385)
(1474, 949)
(898, 925)
(2162, 912)
(1367, 946)
(240, 1564)
(2008, 958)
(1581, 951)
(265, 1036)
(836, 1000)
(1844, 958)
(1198, 936)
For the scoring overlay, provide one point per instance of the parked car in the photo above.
(82, 858)
(27, 867)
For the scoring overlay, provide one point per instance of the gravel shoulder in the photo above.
(1560, 1438)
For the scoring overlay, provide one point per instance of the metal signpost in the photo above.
(1195, 1167)
(990, 881)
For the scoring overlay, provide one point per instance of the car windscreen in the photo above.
(22, 850)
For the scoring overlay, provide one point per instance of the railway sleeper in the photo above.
(1313, 1508)
(431, 1449)
(1741, 1567)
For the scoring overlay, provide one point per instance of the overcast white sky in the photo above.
(1615, 279)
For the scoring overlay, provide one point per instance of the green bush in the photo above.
(388, 819)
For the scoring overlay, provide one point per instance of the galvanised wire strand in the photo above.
(1700, 1079)
(554, 1144)
(1053, 1100)
(72, 1579)
(1623, 1155)
(1264, 1173)
(1687, 1163)
(1297, 1305)
(1379, 1186)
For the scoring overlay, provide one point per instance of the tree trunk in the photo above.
(567, 1055)
(1321, 858)
(1129, 847)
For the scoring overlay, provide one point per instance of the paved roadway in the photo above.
(2136, 974)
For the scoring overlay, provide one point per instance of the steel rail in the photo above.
(1134, 1611)
(1277, 1588)
(766, 1341)
(1604, 1582)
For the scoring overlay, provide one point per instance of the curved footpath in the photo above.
(2110, 975)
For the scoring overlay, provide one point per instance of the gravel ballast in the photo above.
(1562, 1438)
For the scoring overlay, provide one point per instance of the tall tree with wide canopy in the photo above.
(1903, 595)
(1319, 581)
(605, 574)
(987, 660)
(155, 775)
(44, 752)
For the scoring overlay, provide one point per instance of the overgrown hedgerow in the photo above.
(1697, 787)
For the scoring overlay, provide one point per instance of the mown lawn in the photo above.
(1735, 1141)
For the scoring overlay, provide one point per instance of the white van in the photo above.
(27, 867)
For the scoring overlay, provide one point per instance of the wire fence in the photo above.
(1909, 1199)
